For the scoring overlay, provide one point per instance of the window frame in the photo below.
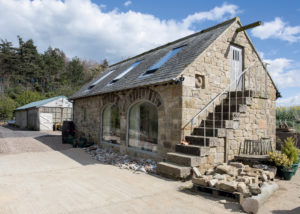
(99, 80)
(155, 153)
(101, 125)
(154, 67)
(126, 71)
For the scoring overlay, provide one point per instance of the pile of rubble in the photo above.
(108, 156)
(234, 177)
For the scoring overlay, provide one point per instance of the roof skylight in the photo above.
(125, 72)
(162, 61)
(100, 79)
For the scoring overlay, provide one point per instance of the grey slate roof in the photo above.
(194, 45)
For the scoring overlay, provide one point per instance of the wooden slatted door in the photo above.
(236, 60)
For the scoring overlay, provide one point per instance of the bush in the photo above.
(290, 150)
(7, 106)
(280, 159)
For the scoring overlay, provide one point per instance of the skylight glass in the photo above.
(162, 61)
(100, 79)
(125, 72)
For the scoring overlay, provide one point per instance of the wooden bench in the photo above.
(255, 150)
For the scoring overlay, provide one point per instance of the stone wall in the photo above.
(258, 122)
(165, 97)
(213, 69)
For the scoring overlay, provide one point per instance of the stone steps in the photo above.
(179, 163)
(183, 159)
(238, 100)
(224, 116)
(203, 141)
(172, 170)
(192, 150)
(216, 123)
(240, 108)
(209, 132)
(240, 94)
(227, 124)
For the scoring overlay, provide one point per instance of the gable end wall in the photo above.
(214, 65)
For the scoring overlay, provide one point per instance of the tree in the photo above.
(74, 74)
(27, 75)
(53, 65)
(7, 106)
(28, 97)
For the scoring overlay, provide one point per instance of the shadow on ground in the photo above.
(55, 143)
(293, 211)
(14, 128)
(230, 204)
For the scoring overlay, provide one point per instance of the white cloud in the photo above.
(277, 29)
(217, 13)
(127, 3)
(289, 101)
(284, 72)
(81, 28)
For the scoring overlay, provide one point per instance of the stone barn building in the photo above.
(191, 102)
(43, 114)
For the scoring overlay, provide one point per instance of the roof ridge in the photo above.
(178, 40)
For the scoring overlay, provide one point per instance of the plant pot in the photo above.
(70, 140)
(287, 174)
(279, 171)
(295, 167)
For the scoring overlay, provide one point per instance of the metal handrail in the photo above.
(219, 95)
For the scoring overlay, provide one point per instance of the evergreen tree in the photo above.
(27, 75)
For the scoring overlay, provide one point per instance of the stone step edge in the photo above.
(183, 159)
(184, 171)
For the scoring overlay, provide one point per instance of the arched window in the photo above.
(143, 126)
(111, 124)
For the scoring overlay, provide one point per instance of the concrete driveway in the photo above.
(58, 179)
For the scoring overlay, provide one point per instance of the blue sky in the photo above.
(115, 29)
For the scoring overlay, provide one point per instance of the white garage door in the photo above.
(46, 122)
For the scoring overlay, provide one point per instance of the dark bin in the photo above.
(68, 131)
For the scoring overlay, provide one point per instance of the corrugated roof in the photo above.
(38, 103)
(193, 44)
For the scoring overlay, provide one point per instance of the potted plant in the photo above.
(283, 164)
(289, 149)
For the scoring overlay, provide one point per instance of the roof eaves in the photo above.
(123, 89)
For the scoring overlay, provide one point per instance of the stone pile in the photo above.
(234, 177)
(108, 156)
